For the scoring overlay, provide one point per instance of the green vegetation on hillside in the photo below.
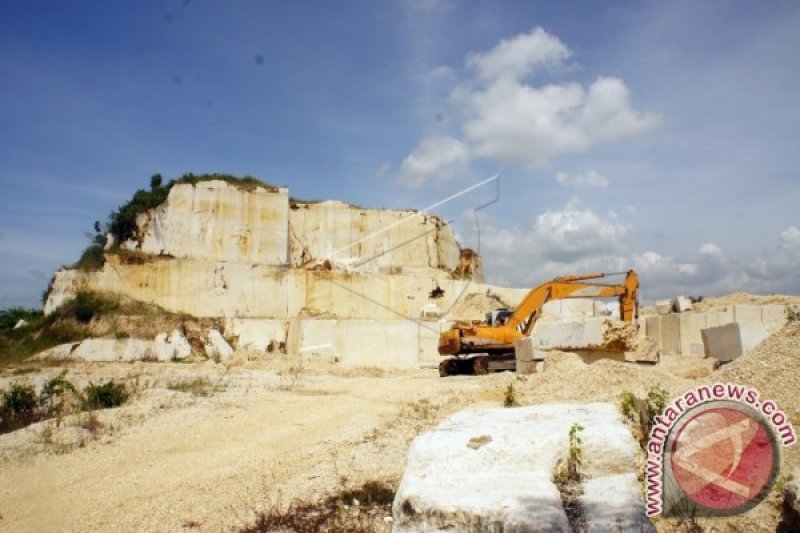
(73, 321)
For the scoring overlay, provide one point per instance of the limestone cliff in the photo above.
(216, 220)
(215, 249)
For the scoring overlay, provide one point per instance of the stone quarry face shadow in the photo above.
(467, 261)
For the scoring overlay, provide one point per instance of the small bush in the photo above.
(656, 402)
(575, 457)
(91, 259)
(53, 397)
(104, 396)
(510, 396)
(627, 404)
(19, 406)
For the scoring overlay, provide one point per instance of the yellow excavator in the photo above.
(487, 346)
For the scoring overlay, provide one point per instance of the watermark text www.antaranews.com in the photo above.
(715, 451)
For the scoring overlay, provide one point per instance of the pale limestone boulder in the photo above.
(60, 352)
(113, 350)
(162, 348)
(174, 346)
(574, 334)
(493, 468)
(216, 347)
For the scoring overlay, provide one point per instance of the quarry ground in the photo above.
(268, 430)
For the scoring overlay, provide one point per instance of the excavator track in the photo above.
(477, 365)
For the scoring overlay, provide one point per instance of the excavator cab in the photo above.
(498, 317)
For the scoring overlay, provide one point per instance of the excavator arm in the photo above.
(526, 314)
(482, 338)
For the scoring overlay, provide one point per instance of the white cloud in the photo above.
(518, 123)
(520, 56)
(434, 159)
(711, 249)
(790, 237)
(583, 180)
(509, 120)
(576, 240)
(567, 240)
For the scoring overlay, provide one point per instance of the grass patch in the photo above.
(356, 510)
(80, 318)
(196, 387)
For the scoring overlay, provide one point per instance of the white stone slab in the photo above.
(493, 468)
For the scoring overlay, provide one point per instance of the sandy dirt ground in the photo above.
(170, 460)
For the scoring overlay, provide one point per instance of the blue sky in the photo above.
(662, 136)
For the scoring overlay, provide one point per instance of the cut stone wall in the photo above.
(732, 340)
(206, 288)
(219, 221)
(370, 240)
(216, 220)
(680, 333)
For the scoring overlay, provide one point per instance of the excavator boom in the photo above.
(498, 340)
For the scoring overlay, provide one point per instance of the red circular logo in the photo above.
(723, 458)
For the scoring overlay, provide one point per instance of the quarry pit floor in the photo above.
(274, 431)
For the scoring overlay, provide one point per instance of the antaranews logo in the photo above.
(715, 451)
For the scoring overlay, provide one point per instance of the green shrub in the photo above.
(656, 402)
(510, 396)
(88, 304)
(20, 400)
(105, 396)
(575, 457)
(92, 258)
(18, 408)
(53, 395)
(627, 404)
(122, 224)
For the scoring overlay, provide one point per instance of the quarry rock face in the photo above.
(252, 254)
(369, 240)
(216, 220)
(259, 225)
(489, 469)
